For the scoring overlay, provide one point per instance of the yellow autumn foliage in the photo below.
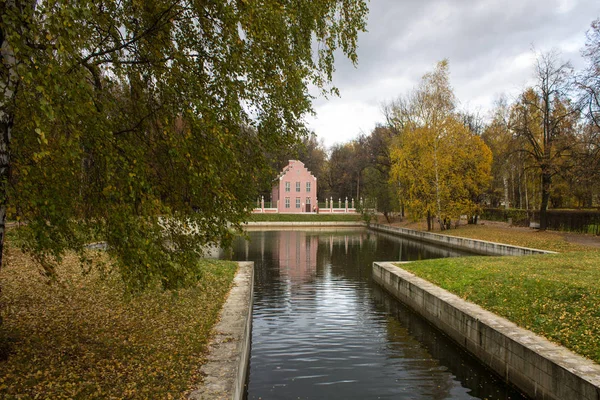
(440, 166)
(450, 165)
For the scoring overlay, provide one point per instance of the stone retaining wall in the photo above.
(225, 371)
(472, 245)
(539, 368)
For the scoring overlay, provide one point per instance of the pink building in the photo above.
(295, 190)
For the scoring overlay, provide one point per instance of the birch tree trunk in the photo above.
(8, 90)
(546, 183)
(437, 186)
(506, 199)
(526, 197)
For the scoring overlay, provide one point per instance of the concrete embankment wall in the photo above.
(225, 371)
(539, 368)
(472, 245)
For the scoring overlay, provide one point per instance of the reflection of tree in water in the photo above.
(431, 347)
(345, 250)
(424, 372)
(347, 255)
(266, 273)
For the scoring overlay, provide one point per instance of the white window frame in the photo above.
(297, 186)
(297, 202)
(287, 202)
(287, 187)
(307, 187)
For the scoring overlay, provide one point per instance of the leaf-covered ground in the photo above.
(503, 233)
(82, 338)
(525, 237)
(556, 296)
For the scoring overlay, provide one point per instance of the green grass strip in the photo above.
(304, 218)
(524, 237)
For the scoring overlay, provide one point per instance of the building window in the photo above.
(297, 202)
(297, 186)
(308, 201)
(307, 187)
(287, 186)
(287, 202)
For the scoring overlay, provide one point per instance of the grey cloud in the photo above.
(481, 39)
(408, 37)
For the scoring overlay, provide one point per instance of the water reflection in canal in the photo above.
(323, 330)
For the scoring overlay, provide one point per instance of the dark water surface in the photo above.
(322, 329)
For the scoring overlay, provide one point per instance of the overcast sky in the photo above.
(487, 42)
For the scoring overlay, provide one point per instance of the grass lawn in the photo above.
(304, 218)
(556, 296)
(81, 337)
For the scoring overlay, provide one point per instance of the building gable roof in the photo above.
(291, 164)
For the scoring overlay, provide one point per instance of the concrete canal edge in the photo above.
(472, 245)
(539, 368)
(229, 351)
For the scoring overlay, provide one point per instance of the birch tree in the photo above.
(498, 136)
(440, 164)
(129, 121)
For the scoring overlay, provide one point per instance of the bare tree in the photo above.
(587, 173)
(589, 81)
(542, 116)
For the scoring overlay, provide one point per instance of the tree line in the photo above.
(435, 161)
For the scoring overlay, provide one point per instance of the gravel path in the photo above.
(583, 239)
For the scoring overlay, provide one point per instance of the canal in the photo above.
(322, 329)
